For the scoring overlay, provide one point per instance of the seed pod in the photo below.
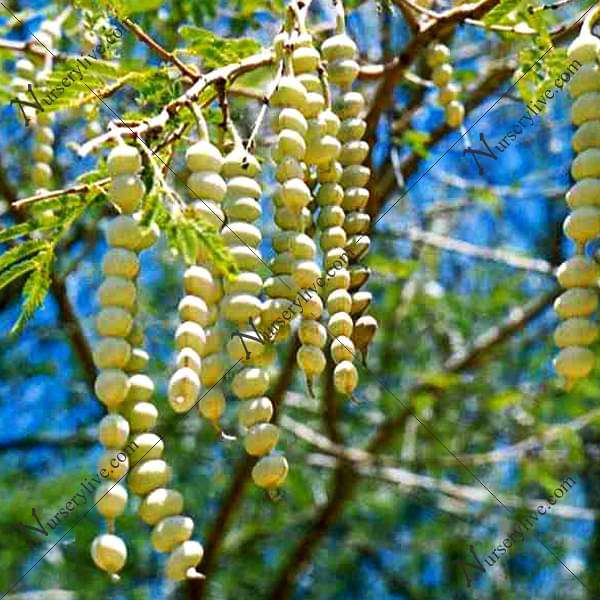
(141, 388)
(576, 302)
(584, 193)
(574, 362)
(437, 54)
(200, 282)
(143, 416)
(203, 156)
(212, 370)
(113, 464)
(117, 291)
(184, 387)
(312, 333)
(584, 48)
(586, 164)
(119, 262)
(364, 332)
(585, 80)
(182, 561)
(586, 108)
(190, 335)
(111, 353)
(109, 553)
(113, 431)
(345, 377)
(360, 302)
(352, 104)
(41, 175)
(247, 258)
(255, 410)
(148, 475)
(207, 185)
(110, 500)
(43, 153)
(340, 324)
(261, 439)
(250, 383)
(212, 404)
(338, 47)
(313, 308)
(448, 94)
(111, 387)
(311, 360)
(123, 160)
(147, 447)
(455, 113)
(160, 503)
(303, 248)
(330, 194)
(170, 532)
(577, 272)
(583, 224)
(575, 332)
(242, 209)
(342, 349)
(339, 301)
(270, 471)
(442, 75)
(289, 93)
(587, 136)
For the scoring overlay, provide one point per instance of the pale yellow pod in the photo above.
(587, 136)
(340, 324)
(111, 387)
(270, 471)
(143, 416)
(586, 108)
(338, 47)
(171, 531)
(345, 377)
(584, 48)
(212, 370)
(212, 404)
(255, 410)
(335, 258)
(357, 246)
(194, 308)
(343, 72)
(126, 192)
(352, 104)
(136, 335)
(289, 93)
(184, 387)
(214, 341)
(137, 361)
(586, 164)
(357, 223)
(113, 431)
(311, 360)
(182, 561)
(243, 283)
(148, 475)
(116, 465)
(364, 332)
(305, 273)
(575, 332)
(354, 153)
(290, 144)
(240, 162)
(315, 104)
(448, 93)
(261, 439)
(239, 232)
(442, 75)
(359, 275)
(585, 192)
(290, 118)
(576, 302)
(455, 113)
(241, 307)
(117, 291)
(42, 153)
(360, 302)
(242, 209)
(577, 272)
(330, 173)
(141, 388)
(574, 362)
(160, 503)
(342, 348)
(207, 185)
(583, 224)
(303, 247)
(41, 175)
(120, 262)
(339, 301)
(289, 168)
(250, 383)
(190, 335)
(243, 187)
(282, 240)
(123, 160)
(146, 447)
(110, 500)
(203, 156)
(267, 359)
(437, 54)
(111, 353)
(323, 152)
(339, 279)
(247, 258)
(288, 218)
(355, 199)
(295, 194)
(585, 80)
(238, 348)
(189, 359)
(332, 237)
(282, 286)
(148, 235)
(352, 129)
(330, 194)
(109, 553)
(282, 264)
(312, 333)
(313, 308)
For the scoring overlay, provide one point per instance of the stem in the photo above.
(590, 20)
(201, 125)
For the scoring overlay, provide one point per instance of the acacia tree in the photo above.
(255, 153)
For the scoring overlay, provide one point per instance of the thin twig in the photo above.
(75, 189)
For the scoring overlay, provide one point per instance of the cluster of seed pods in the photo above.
(123, 389)
(438, 58)
(579, 275)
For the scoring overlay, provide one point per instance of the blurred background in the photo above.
(458, 395)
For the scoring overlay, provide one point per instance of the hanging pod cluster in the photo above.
(579, 275)
(131, 448)
(438, 59)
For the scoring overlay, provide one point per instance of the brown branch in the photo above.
(156, 47)
(199, 587)
(406, 8)
(75, 189)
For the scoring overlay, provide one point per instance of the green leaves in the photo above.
(216, 51)
(502, 12)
